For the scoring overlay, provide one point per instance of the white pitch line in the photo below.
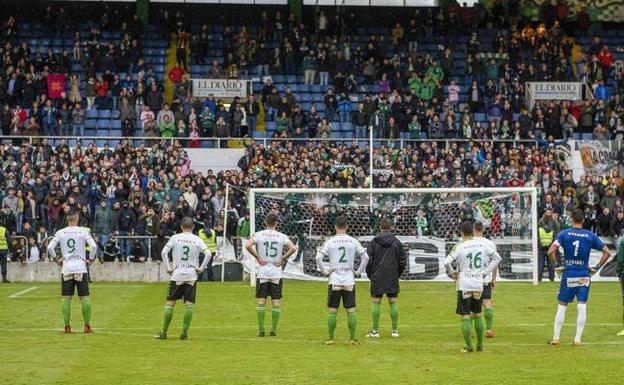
(20, 293)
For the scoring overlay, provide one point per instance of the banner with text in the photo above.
(220, 88)
(591, 157)
(425, 260)
(556, 90)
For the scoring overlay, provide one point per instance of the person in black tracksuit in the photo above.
(385, 266)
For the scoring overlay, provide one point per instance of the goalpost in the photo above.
(426, 220)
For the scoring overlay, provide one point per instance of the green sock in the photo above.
(479, 328)
(376, 312)
(167, 316)
(275, 313)
(466, 327)
(332, 320)
(66, 306)
(352, 320)
(488, 313)
(260, 313)
(188, 316)
(86, 310)
(394, 315)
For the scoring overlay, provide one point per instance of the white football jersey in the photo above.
(73, 241)
(488, 277)
(185, 249)
(475, 258)
(270, 245)
(341, 251)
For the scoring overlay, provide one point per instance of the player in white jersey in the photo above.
(73, 241)
(272, 250)
(185, 249)
(489, 281)
(341, 250)
(474, 259)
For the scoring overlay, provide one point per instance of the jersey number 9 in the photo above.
(71, 245)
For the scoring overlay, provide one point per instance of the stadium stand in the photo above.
(425, 84)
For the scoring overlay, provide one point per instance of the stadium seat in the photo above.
(103, 124)
(116, 124)
(105, 114)
(90, 124)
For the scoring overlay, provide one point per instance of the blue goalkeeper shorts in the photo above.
(569, 291)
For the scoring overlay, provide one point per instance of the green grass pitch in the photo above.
(223, 349)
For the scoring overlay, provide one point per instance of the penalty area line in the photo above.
(20, 293)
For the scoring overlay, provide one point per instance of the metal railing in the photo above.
(132, 238)
(215, 142)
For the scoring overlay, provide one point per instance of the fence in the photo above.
(214, 142)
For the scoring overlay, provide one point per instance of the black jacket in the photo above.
(386, 264)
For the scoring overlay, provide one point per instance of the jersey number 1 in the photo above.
(576, 247)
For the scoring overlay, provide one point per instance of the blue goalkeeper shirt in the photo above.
(577, 244)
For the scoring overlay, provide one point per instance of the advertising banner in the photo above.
(220, 88)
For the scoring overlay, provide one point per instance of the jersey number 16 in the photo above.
(475, 261)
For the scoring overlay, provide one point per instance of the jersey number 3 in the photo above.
(185, 251)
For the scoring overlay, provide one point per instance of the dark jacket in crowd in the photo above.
(386, 263)
(127, 220)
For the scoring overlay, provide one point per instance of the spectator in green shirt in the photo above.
(207, 122)
(435, 72)
(414, 127)
(166, 127)
(242, 230)
(427, 89)
(422, 224)
(283, 122)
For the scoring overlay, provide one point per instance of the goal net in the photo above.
(425, 220)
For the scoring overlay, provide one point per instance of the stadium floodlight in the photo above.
(426, 220)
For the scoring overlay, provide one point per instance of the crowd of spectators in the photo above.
(128, 190)
(423, 94)
(144, 190)
(385, 83)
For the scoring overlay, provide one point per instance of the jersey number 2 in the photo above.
(343, 257)
(185, 250)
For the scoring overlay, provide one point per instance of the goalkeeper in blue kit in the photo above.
(577, 243)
